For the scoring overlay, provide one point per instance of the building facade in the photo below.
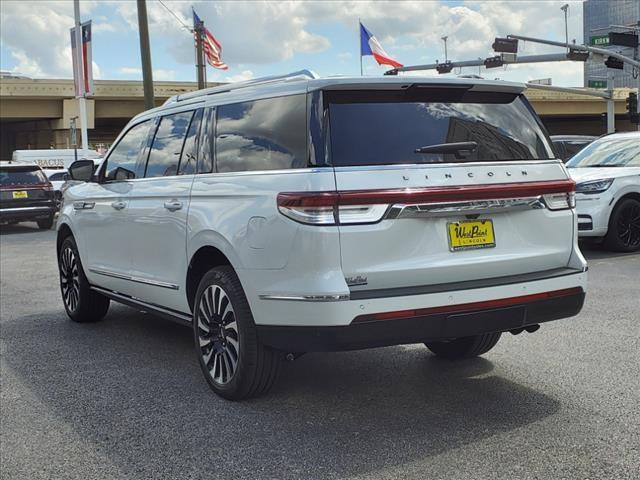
(598, 17)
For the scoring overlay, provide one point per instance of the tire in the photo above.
(465, 347)
(45, 223)
(234, 362)
(624, 227)
(81, 303)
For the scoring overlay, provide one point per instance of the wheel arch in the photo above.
(634, 195)
(64, 231)
(203, 260)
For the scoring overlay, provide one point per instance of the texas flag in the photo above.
(369, 45)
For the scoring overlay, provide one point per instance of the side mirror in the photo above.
(82, 170)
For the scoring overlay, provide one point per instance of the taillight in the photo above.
(369, 206)
(324, 208)
(560, 201)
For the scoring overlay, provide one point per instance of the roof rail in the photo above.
(299, 75)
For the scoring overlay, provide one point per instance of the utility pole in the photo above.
(565, 9)
(200, 65)
(611, 112)
(444, 39)
(82, 101)
(145, 55)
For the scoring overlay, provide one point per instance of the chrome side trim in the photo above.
(152, 307)
(306, 298)
(109, 274)
(25, 209)
(146, 281)
(466, 207)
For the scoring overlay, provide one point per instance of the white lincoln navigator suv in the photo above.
(295, 214)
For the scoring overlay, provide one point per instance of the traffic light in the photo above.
(505, 45)
(444, 67)
(493, 62)
(632, 108)
(623, 39)
(578, 55)
(612, 62)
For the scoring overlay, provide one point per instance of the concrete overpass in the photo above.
(37, 113)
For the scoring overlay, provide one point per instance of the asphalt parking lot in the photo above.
(125, 398)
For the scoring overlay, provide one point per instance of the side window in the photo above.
(164, 156)
(268, 134)
(189, 159)
(121, 162)
(205, 164)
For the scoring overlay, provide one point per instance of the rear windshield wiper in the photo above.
(459, 149)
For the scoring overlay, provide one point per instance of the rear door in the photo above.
(458, 180)
(158, 206)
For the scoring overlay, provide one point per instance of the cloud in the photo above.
(250, 32)
(254, 34)
(137, 71)
(98, 27)
(244, 75)
(159, 74)
(37, 36)
(162, 74)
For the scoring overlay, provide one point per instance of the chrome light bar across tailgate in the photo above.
(435, 209)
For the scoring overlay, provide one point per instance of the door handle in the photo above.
(118, 205)
(173, 205)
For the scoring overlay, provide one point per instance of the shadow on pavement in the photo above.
(596, 251)
(19, 228)
(131, 387)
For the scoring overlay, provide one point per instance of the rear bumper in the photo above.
(26, 213)
(430, 324)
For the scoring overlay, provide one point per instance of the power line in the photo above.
(184, 25)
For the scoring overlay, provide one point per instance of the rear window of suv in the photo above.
(432, 125)
(22, 176)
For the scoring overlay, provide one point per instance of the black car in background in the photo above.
(26, 195)
(566, 146)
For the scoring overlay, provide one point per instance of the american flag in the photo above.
(212, 49)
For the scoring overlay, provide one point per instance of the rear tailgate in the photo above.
(497, 209)
(22, 187)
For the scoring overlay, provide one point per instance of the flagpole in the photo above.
(200, 65)
(82, 100)
(360, 44)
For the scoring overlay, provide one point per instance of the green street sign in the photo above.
(597, 84)
(599, 40)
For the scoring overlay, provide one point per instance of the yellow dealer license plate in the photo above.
(20, 194)
(469, 234)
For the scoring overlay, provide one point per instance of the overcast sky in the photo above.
(264, 38)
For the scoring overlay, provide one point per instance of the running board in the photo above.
(167, 313)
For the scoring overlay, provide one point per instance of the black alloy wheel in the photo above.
(624, 227)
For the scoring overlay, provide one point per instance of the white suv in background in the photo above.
(296, 214)
(607, 174)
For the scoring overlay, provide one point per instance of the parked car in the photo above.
(25, 195)
(57, 178)
(566, 146)
(298, 214)
(607, 173)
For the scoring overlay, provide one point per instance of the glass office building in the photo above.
(598, 16)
